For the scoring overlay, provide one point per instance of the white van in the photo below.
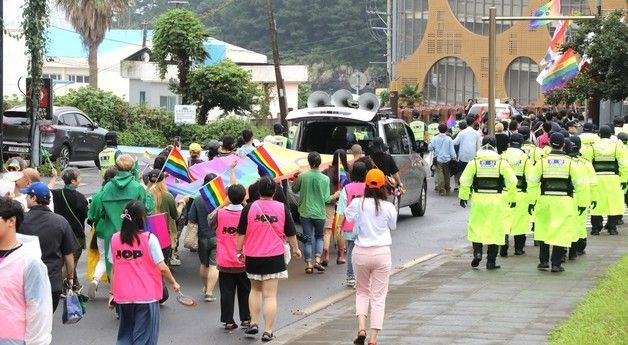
(326, 128)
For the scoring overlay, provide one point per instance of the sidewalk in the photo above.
(444, 301)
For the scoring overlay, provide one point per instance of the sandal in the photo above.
(253, 329)
(309, 270)
(246, 324)
(267, 337)
(230, 326)
(361, 337)
(319, 267)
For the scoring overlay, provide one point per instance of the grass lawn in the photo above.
(602, 315)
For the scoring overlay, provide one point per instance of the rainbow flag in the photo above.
(177, 167)
(213, 193)
(146, 157)
(562, 71)
(552, 8)
(343, 177)
(262, 158)
(451, 121)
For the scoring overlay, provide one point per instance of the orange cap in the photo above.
(375, 179)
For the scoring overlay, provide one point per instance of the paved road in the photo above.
(443, 227)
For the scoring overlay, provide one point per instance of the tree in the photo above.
(91, 19)
(179, 39)
(605, 42)
(577, 90)
(224, 85)
(304, 92)
(410, 94)
(384, 97)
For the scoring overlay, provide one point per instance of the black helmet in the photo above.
(587, 127)
(277, 128)
(489, 140)
(568, 145)
(575, 142)
(557, 140)
(516, 139)
(605, 131)
(111, 138)
(623, 136)
(618, 121)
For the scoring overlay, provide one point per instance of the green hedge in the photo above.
(145, 126)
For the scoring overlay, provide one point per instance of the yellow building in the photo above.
(443, 46)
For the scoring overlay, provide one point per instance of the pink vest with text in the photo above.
(265, 229)
(136, 278)
(226, 232)
(353, 190)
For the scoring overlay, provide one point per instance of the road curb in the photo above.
(295, 329)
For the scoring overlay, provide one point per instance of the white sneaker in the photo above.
(175, 262)
(92, 287)
(350, 282)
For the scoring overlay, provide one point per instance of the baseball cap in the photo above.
(16, 164)
(557, 140)
(38, 189)
(375, 179)
(194, 147)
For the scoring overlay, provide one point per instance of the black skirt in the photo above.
(265, 265)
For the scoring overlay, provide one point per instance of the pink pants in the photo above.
(371, 266)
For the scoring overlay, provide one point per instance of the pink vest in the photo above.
(265, 229)
(353, 190)
(136, 278)
(226, 232)
(13, 319)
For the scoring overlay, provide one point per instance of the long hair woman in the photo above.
(335, 183)
(138, 267)
(374, 217)
(264, 227)
(164, 203)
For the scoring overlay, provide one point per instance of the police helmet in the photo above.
(516, 139)
(575, 142)
(605, 131)
(489, 140)
(277, 128)
(587, 127)
(568, 146)
(623, 137)
(618, 121)
(557, 140)
(111, 138)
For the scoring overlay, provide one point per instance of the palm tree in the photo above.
(91, 19)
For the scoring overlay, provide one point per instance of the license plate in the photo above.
(18, 149)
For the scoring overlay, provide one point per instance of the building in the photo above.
(443, 46)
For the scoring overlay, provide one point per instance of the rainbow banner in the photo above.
(451, 121)
(562, 71)
(552, 8)
(213, 193)
(146, 157)
(157, 224)
(177, 167)
(262, 158)
(343, 177)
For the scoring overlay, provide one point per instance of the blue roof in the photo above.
(67, 43)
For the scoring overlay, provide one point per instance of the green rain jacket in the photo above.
(555, 215)
(611, 201)
(487, 223)
(108, 204)
(522, 165)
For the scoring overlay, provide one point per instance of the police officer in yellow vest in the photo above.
(277, 139)
(418, 128)
(579, 244)
(534, 152)
(491, 184)
(519, 218)
(557, 185)
(588, 137)
(432, 128)
(107, 157)
(292, 133)
(609, 161)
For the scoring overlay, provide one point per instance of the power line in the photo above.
(106, 39)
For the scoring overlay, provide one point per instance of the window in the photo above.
(51, 76)
(142, 97)
(397, 138)
(167, 102)
(450, 81)
(83, 121)
(78, 78)
(67, 120)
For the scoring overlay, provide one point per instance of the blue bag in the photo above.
(72, 310)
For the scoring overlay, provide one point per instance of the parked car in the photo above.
(315, 132)
(69, 136)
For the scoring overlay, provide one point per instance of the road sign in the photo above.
(185, 114)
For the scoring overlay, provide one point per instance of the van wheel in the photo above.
(64, 156)
(418, 209)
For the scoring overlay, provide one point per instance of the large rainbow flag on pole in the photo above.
(562, 71)
(262, 158)
(213, 193)
(558, 39)
(177, 167)
(552, 8)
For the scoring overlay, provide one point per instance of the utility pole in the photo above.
(281, 90)
(389, 10)
(144, 33)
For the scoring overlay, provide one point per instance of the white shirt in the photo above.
(373, 228)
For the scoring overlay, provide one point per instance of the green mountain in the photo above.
(333, 37)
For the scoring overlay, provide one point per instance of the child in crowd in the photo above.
(232, 277)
